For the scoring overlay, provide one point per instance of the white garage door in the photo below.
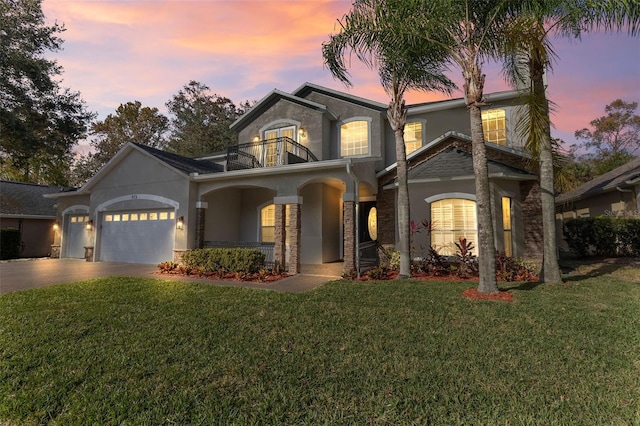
(76, 235)
(137, 236)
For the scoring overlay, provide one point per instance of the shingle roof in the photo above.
(604, 183)
(18, 198)
(454, 162)
(184, 164)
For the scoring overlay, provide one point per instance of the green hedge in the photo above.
(9, 243)
(224, 259)
(603, 236)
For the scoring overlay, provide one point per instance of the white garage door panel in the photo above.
(76, 235)
(140, 241)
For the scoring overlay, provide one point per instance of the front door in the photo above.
(275, 149)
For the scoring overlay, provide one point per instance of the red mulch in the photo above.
(473, 294)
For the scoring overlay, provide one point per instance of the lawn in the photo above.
(145, 351)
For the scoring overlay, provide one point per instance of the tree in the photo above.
(372, 30)
(471, 32)
(201, 120)
(40, 121)
(615, 137)
(529, 53)
(131, 123)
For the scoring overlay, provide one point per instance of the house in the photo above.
(23, 207)
(312, 181)
(615, 193)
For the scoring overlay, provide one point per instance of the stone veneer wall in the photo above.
(349, 218)
(294, 238)
(532, 220)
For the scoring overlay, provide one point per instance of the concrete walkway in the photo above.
(26, 274)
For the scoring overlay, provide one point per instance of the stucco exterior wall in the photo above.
(347, 111)
(284, 113)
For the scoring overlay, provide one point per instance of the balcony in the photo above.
(267, 153)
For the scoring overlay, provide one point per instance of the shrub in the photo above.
(9, 243)
(221, 260)
(603, 236)
(510, 269)
(466, 261)
(432, 264)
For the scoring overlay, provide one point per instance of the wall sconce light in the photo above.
(302, 132)
(56, 225)
(256, 138)
(180, 223)
(89, 224)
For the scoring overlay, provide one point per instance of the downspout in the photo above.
(357, 218)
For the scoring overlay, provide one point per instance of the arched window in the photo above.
(452, 219)
(354, 138)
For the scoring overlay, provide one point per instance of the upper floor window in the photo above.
(494, 125)
(412, 136)
(354, 138)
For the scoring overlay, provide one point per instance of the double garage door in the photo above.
(137, 236)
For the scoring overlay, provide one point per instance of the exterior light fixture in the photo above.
(256, 138)
(302, 132)
(56, 225)
(180, 223)
(89, 224)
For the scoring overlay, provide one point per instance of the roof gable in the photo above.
(271, 99)
(181, 165)
(304, 90)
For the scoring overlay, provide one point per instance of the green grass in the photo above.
(143, 351)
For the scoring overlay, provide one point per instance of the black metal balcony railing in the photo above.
(267, 153)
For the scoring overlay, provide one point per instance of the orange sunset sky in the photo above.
(124, 50)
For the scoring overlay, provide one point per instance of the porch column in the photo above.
(294, 229)
(280, 237)
(294, 239)
(349, 224)
(201, 208)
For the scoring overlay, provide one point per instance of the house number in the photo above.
(134, 197)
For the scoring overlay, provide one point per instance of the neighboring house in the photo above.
(615, 193)
(303, 182)
(23, 207)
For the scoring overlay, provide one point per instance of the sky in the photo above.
(124, 50)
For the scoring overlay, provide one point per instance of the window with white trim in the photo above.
(354, 138)
(452, 219)
(494, 126)
(268, 224)
(412, 136)
(506, 226)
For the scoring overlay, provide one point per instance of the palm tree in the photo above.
(470, 31)
(528, 53)
(373, 31)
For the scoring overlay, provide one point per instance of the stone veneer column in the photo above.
(280, 237)
(201, 208)
(294, 239)
(532, 220)
(349, 223)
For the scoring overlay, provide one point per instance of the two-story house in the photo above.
(312, 181)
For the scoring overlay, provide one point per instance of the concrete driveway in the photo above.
(27, 274)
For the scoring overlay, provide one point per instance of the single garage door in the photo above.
(137, 236)
(76, 235)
